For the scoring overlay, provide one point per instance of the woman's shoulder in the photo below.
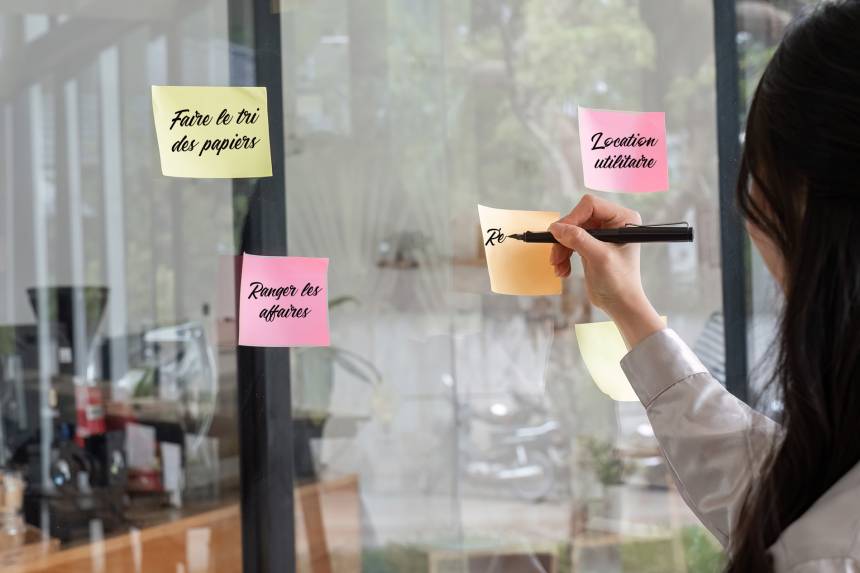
(829, 532)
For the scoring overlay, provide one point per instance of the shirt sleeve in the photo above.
(714, 443)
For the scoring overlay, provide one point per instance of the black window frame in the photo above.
(733, 244)
(263, 374)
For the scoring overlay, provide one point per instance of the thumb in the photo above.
(578, 239)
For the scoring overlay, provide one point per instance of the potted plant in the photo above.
(603, 458)
(312, 387)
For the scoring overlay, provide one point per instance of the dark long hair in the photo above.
(802, 152)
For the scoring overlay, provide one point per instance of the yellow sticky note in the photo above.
(602, 349)
(212, 131)
(516, 267)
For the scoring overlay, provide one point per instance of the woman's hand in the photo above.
(612, 275)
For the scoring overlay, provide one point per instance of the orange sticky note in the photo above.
(516, 267)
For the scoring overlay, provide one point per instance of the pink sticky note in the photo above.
(283, 301)
(623, 151)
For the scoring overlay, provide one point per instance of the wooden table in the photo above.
(328, 538)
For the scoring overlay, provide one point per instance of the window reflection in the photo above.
(118, 427)
(487, 446)
(35, 25)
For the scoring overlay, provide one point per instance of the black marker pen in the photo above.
(620, 235)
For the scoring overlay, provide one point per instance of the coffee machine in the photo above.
(85, 463)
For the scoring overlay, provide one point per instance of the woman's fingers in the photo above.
(611, 272)
(559, 254)
(594, 212)
(559, 258)
(577, 239)
(570, 231)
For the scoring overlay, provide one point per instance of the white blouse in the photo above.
(714, 445)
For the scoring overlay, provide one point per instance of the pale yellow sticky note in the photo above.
(212, 131)
(517, 267)
(602, 349)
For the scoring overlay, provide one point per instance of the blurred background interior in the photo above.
(446, 428)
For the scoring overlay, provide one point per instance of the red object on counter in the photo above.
(89, 407)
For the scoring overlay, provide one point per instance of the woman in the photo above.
(780, 497)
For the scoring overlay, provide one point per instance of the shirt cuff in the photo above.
(659, 362)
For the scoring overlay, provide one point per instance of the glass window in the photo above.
(476, 435)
